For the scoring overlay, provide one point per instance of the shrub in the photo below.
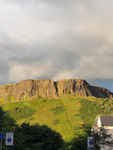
(11, 99)
(62, 93)
(56, 121)
(20, 113)
(58, 110)
(68, 92)
(26, 98)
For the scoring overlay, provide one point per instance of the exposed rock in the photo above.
(73, 86)
(29, 89)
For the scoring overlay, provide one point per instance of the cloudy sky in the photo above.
(56, 39)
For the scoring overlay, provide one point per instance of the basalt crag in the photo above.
(29, 89)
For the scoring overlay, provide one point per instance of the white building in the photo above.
(106, 122)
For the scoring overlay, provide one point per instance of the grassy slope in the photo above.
(63, 115)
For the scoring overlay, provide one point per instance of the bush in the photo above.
(79, 143)
(20, 113)
(68, 92)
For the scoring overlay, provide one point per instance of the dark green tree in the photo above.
(7, 124)
(79, 143)
(80, 140)
(36, 137)
(1, 118)
(26, 137)
(101, 138)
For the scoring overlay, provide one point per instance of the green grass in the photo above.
(64, 115)
(91, 108)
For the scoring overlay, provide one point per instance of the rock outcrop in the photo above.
(29, 89)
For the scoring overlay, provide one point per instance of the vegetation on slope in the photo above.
(64, 115)
(29, 137)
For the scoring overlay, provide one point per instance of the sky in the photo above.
(57, 39)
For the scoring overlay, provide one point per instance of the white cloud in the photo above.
(34, 71)
(63, 74)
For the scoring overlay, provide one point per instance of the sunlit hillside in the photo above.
(64, 115)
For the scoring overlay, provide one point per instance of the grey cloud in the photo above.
(4, 71)
(45, 66)
(14, 46)
(56, 39)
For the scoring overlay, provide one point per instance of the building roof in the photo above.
(106, 120)
(95, 124)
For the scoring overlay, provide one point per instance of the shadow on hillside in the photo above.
(30, 137)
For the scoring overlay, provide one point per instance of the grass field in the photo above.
(63, 115)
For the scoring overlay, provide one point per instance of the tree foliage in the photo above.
(79, 143)
(36, 137)
(30, 137)
(1, 118)
(101, 138)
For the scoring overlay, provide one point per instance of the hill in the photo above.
(63, 105)
(63, 115)
(29, 89)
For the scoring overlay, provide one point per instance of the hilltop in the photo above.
(30, 89)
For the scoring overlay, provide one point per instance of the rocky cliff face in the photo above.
(29, 89)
